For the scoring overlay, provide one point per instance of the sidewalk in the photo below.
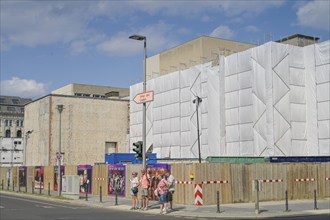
(237, 210)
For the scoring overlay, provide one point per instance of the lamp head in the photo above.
(137, 37)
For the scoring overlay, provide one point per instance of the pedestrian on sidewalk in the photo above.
(145, 184)
(162, 189)
(171, 182)
(134, 190)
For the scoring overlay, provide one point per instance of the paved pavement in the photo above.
(237, 210)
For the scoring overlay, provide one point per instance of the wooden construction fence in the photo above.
(239, 177)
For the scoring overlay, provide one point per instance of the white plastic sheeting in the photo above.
(272, 100)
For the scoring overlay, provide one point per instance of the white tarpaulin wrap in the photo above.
(271, 100)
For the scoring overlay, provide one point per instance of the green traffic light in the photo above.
(138, 149)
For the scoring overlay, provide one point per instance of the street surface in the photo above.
(18, 207)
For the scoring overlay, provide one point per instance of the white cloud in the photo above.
(25, 88)
(315, 14)
(251, 28)
(33, 23)
(223, 32)
(158, 38)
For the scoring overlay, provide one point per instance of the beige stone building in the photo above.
(200, 50)
(92, 124)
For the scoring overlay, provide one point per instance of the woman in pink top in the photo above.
(162, 188)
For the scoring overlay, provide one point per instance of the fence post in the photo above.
(256, 196)
(218, 202)
(86, 192)
(286, 201)
(48, 189)
(315, 202)
(100, 193)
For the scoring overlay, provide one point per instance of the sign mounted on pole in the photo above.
(144, 97)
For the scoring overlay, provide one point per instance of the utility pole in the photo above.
(60, 109)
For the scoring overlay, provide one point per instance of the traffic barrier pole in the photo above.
(100, 193)
(86, 192)
(48, 189)
(2, 184)
(40, 188)
(256, 195)
(116, 199)
(315, 202)
(25, 187)
(32, 187)
(8, 184)
(19, 187)
(13, 186)
(218, 202)
(286, 201)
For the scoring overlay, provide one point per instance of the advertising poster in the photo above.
(116, 180)
(22, 176)
(85, 178)
(38, 177)
(56, 177)
(153, 170)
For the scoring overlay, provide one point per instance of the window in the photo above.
(22, 110)
(10, 109)
(6, 122)
(10, 123)
(8, 133)
(17, 123)
(19, 134)
(15, 101)
(2, 101)
(21, 123)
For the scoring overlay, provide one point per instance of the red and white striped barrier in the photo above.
(214, 181)
(183, 182)
(198, 194)
(98, 178)
(306, 180)
(327, 178)
(271, 181)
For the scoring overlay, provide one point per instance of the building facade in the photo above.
(270, 100)
(12, 130)
(198, 51)
(90, 126)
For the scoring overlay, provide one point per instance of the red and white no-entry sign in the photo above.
(198, 194)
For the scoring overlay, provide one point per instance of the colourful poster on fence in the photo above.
(38, 177)
(153, 171)
(56, 177)
(116, 179)
(85, 177)
(22, 176)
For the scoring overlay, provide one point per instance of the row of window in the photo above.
(11, 109)
(18, 134)
(9, 123)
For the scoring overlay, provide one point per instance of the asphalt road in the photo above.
(14, 207)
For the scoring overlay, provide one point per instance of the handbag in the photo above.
(156, 192)
(135, 190)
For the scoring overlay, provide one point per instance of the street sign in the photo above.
(144, 97)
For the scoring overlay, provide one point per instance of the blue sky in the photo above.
(48, 44)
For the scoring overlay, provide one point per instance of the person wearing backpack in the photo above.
(171, 182)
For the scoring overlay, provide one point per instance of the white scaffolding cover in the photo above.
(271, 100)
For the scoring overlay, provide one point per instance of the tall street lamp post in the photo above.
(27, 136)
(197, 101)
(60, 109)
(144, 110)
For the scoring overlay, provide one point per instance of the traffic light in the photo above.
(138, 149)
